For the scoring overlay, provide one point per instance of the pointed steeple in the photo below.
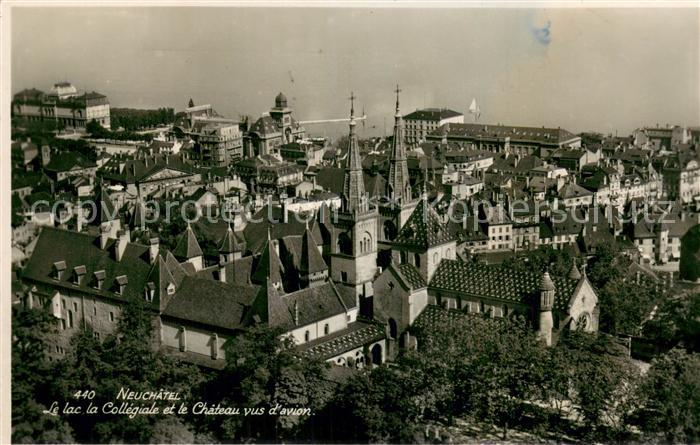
(311, 259)
(574, 273)
(188, 246)
(353, 199)
(161, 278)
(398, 184)
(269, 267)
(229, 247)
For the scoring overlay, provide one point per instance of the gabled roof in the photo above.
(66, 161)
(499, 283)
(187, 247)
(211, 302)
(80, 249)
(423, 229)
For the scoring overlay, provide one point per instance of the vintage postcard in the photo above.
(358, 222)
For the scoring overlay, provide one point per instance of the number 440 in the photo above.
(87, 394)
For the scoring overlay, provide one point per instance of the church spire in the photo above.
(353, 184)
(399, 186)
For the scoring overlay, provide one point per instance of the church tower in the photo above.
(399, 187)
(399, 203)
(354, 227)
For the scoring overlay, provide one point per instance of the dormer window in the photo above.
(150, 291)
(171, 288)
(58, 268)
(79, 274)
(99, 278)
(122, 281)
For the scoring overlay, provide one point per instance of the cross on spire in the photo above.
(397, 91)
(352, 104)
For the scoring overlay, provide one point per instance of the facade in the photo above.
(270, 132)
(218, 141)
(63, 106)
(420, 123)
(509, 139)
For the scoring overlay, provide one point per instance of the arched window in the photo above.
(344, 244)
(393, 329)
(416, 260)
(436, 257)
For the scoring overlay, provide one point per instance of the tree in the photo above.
(266, 371)
(32, 377)
(689, 267)
(670, 395)
(600, 383)
(125, 359)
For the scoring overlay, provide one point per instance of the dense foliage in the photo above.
(131, 119)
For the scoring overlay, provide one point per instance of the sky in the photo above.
(602, 69)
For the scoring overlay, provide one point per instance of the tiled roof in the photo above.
(357, 334)
(412, 276)
(424, 229)
(432, 114)
(314, 304)
(498, 282)
(486, 131)
(434, 315)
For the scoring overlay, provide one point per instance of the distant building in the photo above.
(505, 138)
(272, 130)
(217, 140)
(421, 122)
(661, 138)
(62, 105)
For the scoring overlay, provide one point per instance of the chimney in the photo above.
(120, 246)
(153, 247)
(104, 236)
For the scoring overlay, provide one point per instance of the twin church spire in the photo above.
(398, 185)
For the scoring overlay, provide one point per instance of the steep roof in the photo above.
(423, 229)
(187, 247)
(229, 243)
(269, 266)
(211, 302)
(79, 249)
(311, 259)
(498, 282)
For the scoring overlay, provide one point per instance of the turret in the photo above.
(546, 303)
(574, 273)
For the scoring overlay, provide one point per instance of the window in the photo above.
(111, 316)
(326, 329)
(63, 324)
(306, 336)
(75, 306)
(344, 277)
(94, 310)
(70, 319)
